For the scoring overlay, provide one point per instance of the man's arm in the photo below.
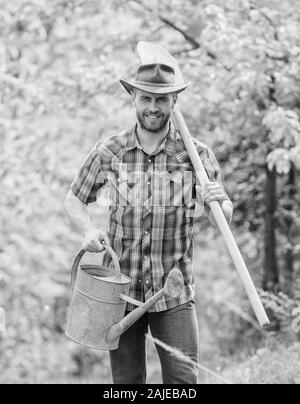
(78, 214)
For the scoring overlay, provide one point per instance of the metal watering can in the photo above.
(100, 294)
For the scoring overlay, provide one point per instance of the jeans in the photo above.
(177, 328)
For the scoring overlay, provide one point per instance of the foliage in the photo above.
(284, 127)
(59, 65)
(274, 364)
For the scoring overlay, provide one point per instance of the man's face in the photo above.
(153, 110)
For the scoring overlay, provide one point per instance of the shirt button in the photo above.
(146, 232)
(150, 161)
(147, 283)
(149, 182)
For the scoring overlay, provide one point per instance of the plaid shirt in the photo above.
(152, 208)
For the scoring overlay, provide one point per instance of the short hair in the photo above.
(174, 95)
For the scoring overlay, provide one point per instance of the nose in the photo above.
(153, 107)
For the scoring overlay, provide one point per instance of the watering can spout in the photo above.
(173, 288)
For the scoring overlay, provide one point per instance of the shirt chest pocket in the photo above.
(137, 188)
(180, 188)
(118, 189)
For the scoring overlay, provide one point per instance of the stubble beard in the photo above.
(163, 125)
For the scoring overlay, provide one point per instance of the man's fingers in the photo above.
(95, 240)
(94, 246)
(211, 186)
(212, 199)
(215, 197)
(103, 238)
(213, 192)
(97, 245)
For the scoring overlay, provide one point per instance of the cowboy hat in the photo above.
(155, 78)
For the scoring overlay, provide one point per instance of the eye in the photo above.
(162, 99)
(145, 99)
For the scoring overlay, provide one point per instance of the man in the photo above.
(154, 190)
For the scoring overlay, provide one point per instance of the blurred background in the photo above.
(60, 62)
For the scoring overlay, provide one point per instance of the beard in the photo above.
(155, 125)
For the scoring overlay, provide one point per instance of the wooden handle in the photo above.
(173, 287)
(222, 222)
(123, 325)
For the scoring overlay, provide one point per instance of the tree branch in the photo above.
(266, 17)
(195, 44)
(190, 39)
(286, 56)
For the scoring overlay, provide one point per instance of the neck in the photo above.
(151, 140)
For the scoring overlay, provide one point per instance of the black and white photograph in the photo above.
(150, 194)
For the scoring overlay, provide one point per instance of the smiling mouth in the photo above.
(153, 118)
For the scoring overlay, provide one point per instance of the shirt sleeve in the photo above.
(89, 178)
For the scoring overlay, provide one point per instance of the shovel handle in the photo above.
(118, 273)
(222, 223)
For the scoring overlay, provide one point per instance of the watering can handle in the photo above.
(77, 260)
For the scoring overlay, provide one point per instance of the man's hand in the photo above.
(213, 191)
(93, 239)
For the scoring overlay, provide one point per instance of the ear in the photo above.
(133, 95)
(175, 97)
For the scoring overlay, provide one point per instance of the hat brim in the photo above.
(129, 86)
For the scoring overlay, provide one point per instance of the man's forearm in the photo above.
(227, 209)
(77, 213)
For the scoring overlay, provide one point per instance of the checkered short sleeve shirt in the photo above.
(153, 202)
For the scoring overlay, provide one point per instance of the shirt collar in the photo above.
(167, 146)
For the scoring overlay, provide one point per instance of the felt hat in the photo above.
(155, 78)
